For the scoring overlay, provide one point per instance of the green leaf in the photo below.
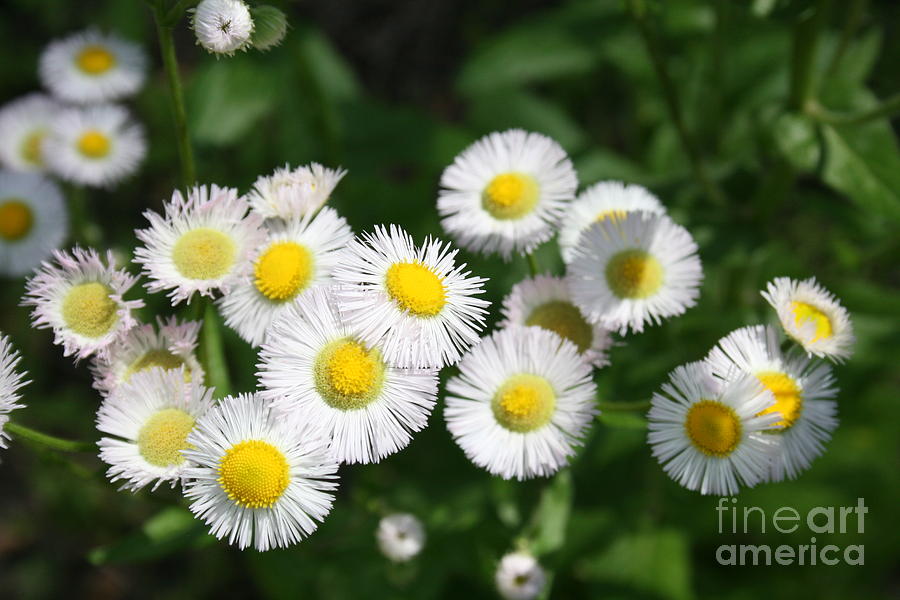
(551, 516)
(327, 69)
(795, 136)
(171, 530)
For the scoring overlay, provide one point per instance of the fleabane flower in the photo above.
(710, 436)
(81, 298)
(258, 479)
(415, 303)
(222, 26)
(812, 317)
(519, 576)
(316, 368)
(606, 200)
(293, 193)
(297, 256)
(201, 243)
(629, 272)
(400, 536)
(24, 124)
(506, 193)
(149, 418)
(522, 402)
(11, 381)
(91, 67)
(803, 389)
(34, 221)
(544, 301)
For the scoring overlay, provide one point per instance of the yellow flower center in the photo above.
(157, 358)
(614, 216)
(348, 376)
(88, 309)
(565, 320)
(713, 428)
(283, 270)
(254, 474)
(93, 144)
(805, 313)
(416, 289)
(788, 397)
(95, 60)
(510, 196)
(163, 437)
(204, 254)
(524, 403)
(31, 147)
(16, 219)
(634, 274)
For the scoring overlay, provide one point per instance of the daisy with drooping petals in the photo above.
(812, 317)
(709, 435)
(200, 244)
(606, 200)
(522, 401)
(80, 297)
(519, 576)
(258, 479)
(97, 145)
(400, 536)
(506, 193)
(633, 271)
(314, 367)
(33, 221)
(297, 256)
(24, 123)
(803, 392)
(293, 193)
(90, 67)
(222, 26)
(150, 417)
(544, 301)
(11, 381)
(415, 303)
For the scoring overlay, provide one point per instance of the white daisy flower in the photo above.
(506, 193)
(81, 299)
(24, 124)
(400, 536)
(150, 417)
(520, 577)
(91, 66)
(223, 26)
(709, 436)
(168, 345)
(803, 392)
(201, 243)
(293, 193)
(415, 303)
(812, 317)
(544, 301)
(315, 367)
(11, 381)
(522, 401)
(298, 255)
(34, 221)
(635, 270)
(606, 200)
(97, 145)
(260, 480)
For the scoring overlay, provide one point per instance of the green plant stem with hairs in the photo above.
(532, 264)
(50, 441)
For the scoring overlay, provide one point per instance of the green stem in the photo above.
(803, 54)
(851, 23)
(637, 405)
(532, 264)
(212, 351)
(888, 108)
(27, 433)
(78, 215)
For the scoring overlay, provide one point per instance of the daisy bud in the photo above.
(269, 26)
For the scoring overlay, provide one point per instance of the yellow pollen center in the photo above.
(713, 428)
(510, 196)
(254, 474)
(524, 403)
(565, 320)
(805, 313)
(31, 147)
(788, 397)
(88, 309)
(283, 270)
(204, 254)
(95, 60)
(157, 358)
(93, 144)
(416, 289)
(163, 437)
(614, 216)
(16, 219)
(347, 375)
(634, 274)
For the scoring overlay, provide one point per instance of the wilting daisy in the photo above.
(812, 316)
(80, 297)
(544, 301)
(90, 66)
(24, 123)
(520, 577)
(258, 479)
(415, 303)
(294, 193)
(150, 417)
(635, 270)
(803, 392)
(400, 536)
(315, 367)
(709, 435)
(168, 345)
(97, 145)
(522, 401)
(33, 221)
(298, 255)
(606, 200)
(200, 244)
(506, 193)
(11, 381)
(222, 26)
